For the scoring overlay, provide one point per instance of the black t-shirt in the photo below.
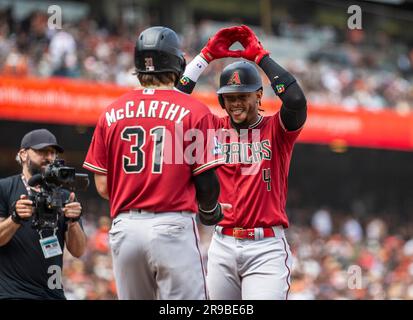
(24, 271)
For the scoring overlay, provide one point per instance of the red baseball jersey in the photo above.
(150, 143)
(254, 178)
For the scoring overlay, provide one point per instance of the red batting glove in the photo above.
(217, 47)
(254, 51)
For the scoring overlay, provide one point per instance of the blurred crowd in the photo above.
(355, 68)
(335, 256)
(347, 259)
(350, 71)
(91, 277)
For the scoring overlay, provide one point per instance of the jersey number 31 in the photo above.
(136, 163)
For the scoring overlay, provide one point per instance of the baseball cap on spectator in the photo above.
(39, 139)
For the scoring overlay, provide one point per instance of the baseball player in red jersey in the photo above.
(249, 257)
(139, 154)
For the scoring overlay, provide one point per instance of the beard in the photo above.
(33, 167)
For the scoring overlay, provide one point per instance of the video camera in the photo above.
(48, 203)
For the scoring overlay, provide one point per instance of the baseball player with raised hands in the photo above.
(153, 199)
(249, 257)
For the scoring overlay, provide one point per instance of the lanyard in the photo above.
(28, 188)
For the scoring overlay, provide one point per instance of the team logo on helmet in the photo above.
(235, 79)
(149, 64)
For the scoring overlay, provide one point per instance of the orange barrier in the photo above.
(80, 102)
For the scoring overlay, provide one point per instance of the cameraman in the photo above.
(25, 272)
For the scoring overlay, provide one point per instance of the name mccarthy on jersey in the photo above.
(147, 109)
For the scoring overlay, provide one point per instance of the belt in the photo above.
(240, 233)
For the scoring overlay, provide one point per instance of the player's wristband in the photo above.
(211, 217)
(208, 211)
(195, 68)
(192, 72)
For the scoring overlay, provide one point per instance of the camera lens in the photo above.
(64, 174)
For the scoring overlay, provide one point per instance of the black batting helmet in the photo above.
(158, 50)
(238, 77)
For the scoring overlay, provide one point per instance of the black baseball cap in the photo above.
(39, 139)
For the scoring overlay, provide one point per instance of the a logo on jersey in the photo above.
(149, 64)
(148, 91)
(184, 81)
(235, 79)
(247, 153)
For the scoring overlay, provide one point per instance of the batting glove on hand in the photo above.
(254, 51)
(217, 47)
